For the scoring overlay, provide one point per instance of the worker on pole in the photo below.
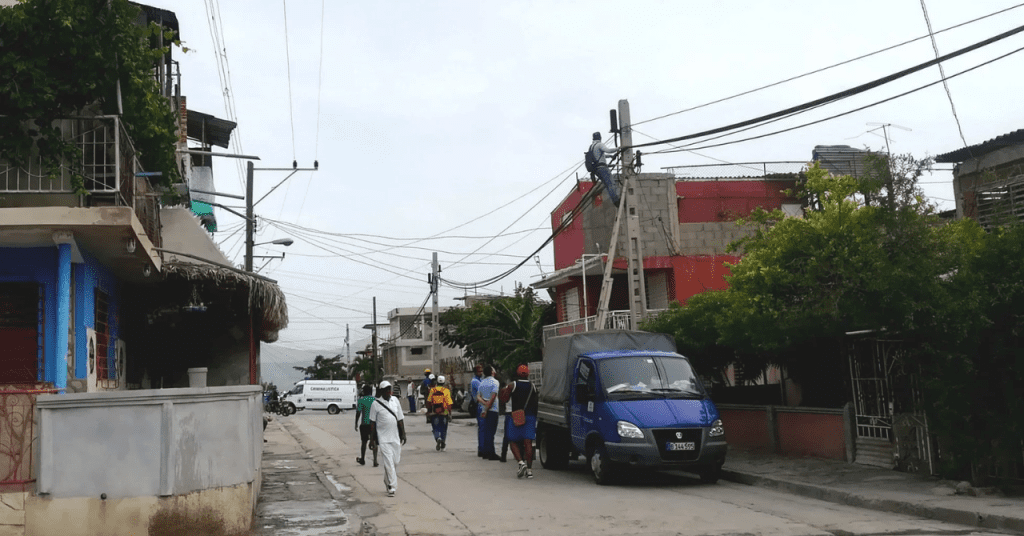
(597, 165)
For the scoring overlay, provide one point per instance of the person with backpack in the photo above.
(594, 160)
(387, 433)
(440, 402)
(522, 400)
(428, 382)
(363, 424)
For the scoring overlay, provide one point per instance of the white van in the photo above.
(332, 395)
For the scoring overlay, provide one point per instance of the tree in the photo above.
(60, 58)
(503, 332)
(325, 368)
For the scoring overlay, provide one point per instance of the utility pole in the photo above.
(376, 380)
(435, 348)
(249, 227)
(634, 239)
(634, 250)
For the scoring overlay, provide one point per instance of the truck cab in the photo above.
(642, 409)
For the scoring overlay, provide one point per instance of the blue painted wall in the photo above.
(89, 276)
(40, 265)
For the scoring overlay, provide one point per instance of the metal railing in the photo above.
(615, 320)
(17, 433)
(108, 167)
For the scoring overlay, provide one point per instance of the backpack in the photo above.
(589, 160)
(436, 400)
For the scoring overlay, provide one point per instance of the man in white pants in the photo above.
(387, 427)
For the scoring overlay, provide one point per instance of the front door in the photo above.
(19, 332)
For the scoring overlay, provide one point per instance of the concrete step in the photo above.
(875, 452)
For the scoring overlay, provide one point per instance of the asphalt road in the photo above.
(456, 493)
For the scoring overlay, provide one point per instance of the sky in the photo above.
(458, 126)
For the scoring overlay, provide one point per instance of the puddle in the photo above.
(303, 518)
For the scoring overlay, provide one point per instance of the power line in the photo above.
(942, 72)
(826, 68)
(288, 65)
(836, 96)
(847, 112)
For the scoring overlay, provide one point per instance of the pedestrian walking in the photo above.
(441, 403)
(388, 430)
(411, 395)
(474, 408)
(428, 381)
(522, 400)
(487, 397)
(363, 425)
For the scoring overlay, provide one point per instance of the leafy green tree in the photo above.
(325, 368)
(61, 58)
(361, 368)
(503, 332)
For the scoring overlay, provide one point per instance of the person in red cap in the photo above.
(522, 398)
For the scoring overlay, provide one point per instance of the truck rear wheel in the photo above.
(553, 449)
(605, 471)
(333, 410)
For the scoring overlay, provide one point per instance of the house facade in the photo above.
(408, 350)
(686, 226)
(130, 341)
(988, 180)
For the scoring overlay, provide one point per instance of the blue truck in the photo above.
(625, 399)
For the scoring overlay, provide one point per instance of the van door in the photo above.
(581, 405)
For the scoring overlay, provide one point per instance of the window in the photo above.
(102, 321)
(416, 351)
(572, 304)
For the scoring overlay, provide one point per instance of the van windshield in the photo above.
(647, 376)
(297, 390)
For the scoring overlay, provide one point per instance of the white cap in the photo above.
(431, 376)
(384, 385)
(440, 379)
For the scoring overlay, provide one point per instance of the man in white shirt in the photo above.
(598, 165)
(387, 425)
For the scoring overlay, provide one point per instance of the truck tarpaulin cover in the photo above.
(561, 353)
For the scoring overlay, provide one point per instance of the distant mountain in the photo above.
(277, 362)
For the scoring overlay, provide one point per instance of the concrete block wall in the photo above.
(711, 238)
(656, 197)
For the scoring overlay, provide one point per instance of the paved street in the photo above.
(456, 493)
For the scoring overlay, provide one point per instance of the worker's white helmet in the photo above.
(440, 380)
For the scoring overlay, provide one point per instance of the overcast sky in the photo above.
(464, 120)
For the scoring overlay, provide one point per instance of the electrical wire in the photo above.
(847, 112)
(942, 72)
(835, 97)
(826, 68)
(288, 66)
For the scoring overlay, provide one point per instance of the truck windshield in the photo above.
(628, 377)
(297, 390)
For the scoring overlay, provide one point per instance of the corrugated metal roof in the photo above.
(209, 129)
(962, 155)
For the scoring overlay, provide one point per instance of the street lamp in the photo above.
(278, 242)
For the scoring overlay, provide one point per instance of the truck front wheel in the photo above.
(552, 450)
(604, 470)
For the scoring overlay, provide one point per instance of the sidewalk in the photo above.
(875, 488)
(297, 497)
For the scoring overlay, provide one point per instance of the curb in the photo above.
(938, 513)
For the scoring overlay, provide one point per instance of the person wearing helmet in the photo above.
(522, 399)
(440, 402)
(430, 382)
(596, 165)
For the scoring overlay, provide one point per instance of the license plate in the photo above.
(688, 445)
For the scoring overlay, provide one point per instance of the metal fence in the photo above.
(17, 432)
(738, 170)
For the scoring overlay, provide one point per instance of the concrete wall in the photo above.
(792, 431)
(113, 460)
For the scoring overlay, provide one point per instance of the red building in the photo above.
(686, 226)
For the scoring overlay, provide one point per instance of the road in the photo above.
(456, 493)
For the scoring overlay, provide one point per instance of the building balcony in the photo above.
(109, 170)
(614, 320)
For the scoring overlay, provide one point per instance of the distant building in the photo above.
(408, 348)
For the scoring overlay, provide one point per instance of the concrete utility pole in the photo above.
(634, 239)
(435, 348)
(627, 210)
(249, 228)
(376, 380)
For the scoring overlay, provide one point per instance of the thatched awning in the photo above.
(264, 295)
